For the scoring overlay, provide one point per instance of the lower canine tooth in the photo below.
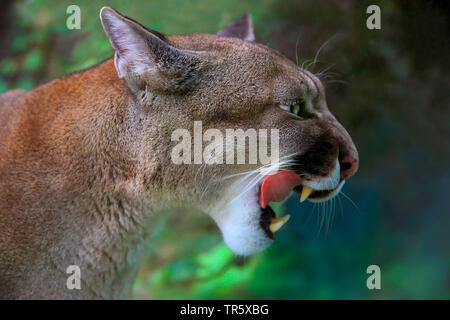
(277, 223)
(306, 191)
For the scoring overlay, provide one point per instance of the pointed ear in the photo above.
(242, 29)
(142, 55)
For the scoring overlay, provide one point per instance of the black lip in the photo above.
(316, 194)
(319, 194)
(266, 218)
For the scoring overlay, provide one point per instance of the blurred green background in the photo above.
(390, 89)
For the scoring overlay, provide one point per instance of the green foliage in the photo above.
(8, 66)
(33, 61)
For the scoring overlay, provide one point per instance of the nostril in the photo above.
(346, 165)
(349, 165)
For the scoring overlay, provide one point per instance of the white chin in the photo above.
(246, 237)
(239, 221)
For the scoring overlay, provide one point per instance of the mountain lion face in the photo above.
(228, 82)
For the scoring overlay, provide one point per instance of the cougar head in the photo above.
(189, 92)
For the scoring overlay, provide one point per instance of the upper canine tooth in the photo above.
(277, 223)
(306, 191)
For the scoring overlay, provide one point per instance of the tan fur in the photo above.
(85, 168)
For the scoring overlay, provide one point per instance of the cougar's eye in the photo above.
(298, 109)
(285, 108)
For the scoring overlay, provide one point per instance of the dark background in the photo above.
(388, 87)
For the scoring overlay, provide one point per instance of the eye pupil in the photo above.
(297, 109)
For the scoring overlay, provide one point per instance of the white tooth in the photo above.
(306, 191)
(277, 223)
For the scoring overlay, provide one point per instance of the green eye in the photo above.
(298, 109)
(303, 111)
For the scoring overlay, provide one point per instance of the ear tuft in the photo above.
(242, 29)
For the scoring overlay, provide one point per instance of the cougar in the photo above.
(86, 168)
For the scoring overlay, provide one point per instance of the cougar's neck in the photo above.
(108, 208)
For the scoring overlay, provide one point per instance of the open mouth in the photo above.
(277, 187)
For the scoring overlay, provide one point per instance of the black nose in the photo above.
(349, 166)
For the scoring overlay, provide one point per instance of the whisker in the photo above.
(249, 179)
(338, 81)
(296, 45)
(351, 201)
(303, 64)
(321, 72)
(322, 217)
(340, 205)
(321, 47)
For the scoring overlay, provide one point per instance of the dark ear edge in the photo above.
(128, 38)
(145, 57)
(242, 29)
(105, 11)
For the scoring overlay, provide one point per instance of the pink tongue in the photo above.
(277, 187)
